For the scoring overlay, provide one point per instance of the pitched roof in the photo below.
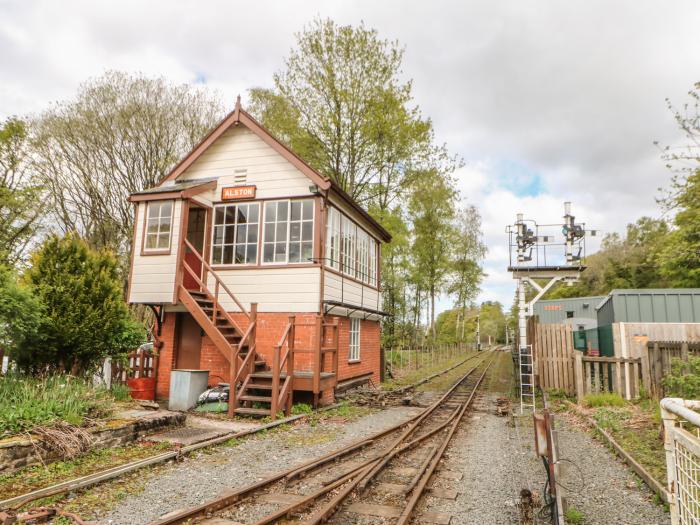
(239, 116)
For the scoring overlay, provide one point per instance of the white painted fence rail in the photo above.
(682, 445)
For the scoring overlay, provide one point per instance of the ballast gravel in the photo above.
(202, 476)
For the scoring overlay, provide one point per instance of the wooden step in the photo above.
(259, 399)
(258, 386)
(267, 375)
(253, 411)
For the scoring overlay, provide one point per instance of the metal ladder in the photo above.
(526, 369)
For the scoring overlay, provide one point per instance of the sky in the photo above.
(546, 101)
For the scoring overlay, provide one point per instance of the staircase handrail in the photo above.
(218, 279)
(250, 355)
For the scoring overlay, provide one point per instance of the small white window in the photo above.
(349, 243)
(159, 218)
(236, 234)
(288, 231)
(333, 238)
(354, 352)
(372, 262)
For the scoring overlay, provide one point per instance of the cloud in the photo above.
(546, 101)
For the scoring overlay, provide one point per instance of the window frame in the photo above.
(213, 244)
(144, 237)
(264, 223)
(338, 265)
(355, 347)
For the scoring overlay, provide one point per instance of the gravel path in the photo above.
(496, 461)
(612, 493)
(202, 476)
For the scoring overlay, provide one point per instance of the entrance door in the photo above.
(196, 235)
(189, 342)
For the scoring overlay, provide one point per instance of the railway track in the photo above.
(379, 479)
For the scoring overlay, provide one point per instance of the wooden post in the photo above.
(317, 357)
(290, 362)
(275, 381)
(252, 344)
(578, 373)
(336, 344)
(232, 390)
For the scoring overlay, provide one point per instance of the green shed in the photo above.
(652, 305)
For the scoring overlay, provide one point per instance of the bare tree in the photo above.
(120, 134)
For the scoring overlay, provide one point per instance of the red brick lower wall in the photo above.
(270, 328)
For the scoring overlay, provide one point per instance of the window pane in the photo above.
(307, 251)
(252, 254)
(242, 214)
(294, 252)
(216, 255)
(295, 231)
(163, 240)
(228, 238)
(268, 252)
(281, 232)
(253, 210)
(218, 234)
(296, 211)
(230, 214)
(282, 211)
(308, 210)
(166, 209)
(252, 233)
(269, 234)
(219, 215)
(308, 231)
(240, 254)
(150, 240)
(270, 212)
(241, 234)
(152, 226)
(165, 225)
(228, 254)
(280, 252)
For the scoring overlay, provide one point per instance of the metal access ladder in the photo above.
(526, 369)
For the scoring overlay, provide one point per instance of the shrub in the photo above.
(21, 314)
(604, 399)
(26, 402)
(301, 408)
(86, 317)
(574, 516)
(683, 380)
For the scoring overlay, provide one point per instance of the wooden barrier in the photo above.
(661, 355)
(607, 374)
(554, 357)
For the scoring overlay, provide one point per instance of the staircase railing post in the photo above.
(232, 390)
(275, 381)
(290, 362)
(336, 338)
(252, 343)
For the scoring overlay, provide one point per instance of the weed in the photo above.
(574, 516)
(683, 380)
(120, 392)
(610, 419)
(26, 402)
(301, 408)
(604, 399)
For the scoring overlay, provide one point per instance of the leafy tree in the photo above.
(431, 209)
(20, 193)
(469, 250)
(120, 134)
(86, 318)
(680, 257)
(21, 316)
(339, 103)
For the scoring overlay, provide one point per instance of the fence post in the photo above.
(669, 420)
(578, 374)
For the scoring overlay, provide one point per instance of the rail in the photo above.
(682, 446)
(283, 396)
(219, 283)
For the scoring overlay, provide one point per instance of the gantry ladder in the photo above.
(526, 371)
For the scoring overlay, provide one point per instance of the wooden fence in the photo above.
(139, 363)
(552, 346)
(661, 355)
(622, 375)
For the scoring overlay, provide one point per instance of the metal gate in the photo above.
(682, 445)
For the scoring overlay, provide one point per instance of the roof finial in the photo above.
(238, 102)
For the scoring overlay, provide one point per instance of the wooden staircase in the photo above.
(254, 388)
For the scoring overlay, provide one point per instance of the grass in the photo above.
(604, 399)
(574, 516)
(405, 376)
(26, 402)
(39, 476)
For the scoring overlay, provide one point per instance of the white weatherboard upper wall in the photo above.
(153, 277)
(275, 289)
(239, 148)
(346, 290)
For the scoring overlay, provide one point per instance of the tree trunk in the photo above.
(432, 311)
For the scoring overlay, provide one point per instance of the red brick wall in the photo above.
(269, 330)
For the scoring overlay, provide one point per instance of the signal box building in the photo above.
(259, 270)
